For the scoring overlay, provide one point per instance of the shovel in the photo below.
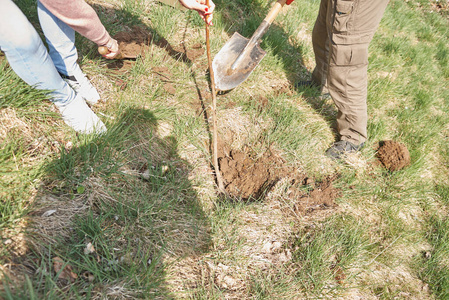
(240, 56)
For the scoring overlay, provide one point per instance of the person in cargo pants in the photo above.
(341, 36)
(29, 58)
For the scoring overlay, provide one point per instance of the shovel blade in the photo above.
(227, 73)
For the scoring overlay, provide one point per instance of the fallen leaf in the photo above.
(340, 276)
(89, 249)
(48, 213)
(65, 272)
(88, 276)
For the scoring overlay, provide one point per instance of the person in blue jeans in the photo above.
(59, 20)
(61, 47)
(29, 58)
(55, 69)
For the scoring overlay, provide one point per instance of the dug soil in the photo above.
(249, 177)
(131, 43)
(393, 155)
(136, 42)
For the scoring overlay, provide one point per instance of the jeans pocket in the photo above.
(343, 13)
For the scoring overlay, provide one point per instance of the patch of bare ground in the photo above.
(401, 282)
(132, 43)
(257, 240)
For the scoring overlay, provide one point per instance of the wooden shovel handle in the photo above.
(263, 27)
(275, 10)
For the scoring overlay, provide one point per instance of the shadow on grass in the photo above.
(112, 214)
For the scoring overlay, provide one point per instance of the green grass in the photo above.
(329, 252)
(144, 197)
(433, 263)
(17, 172)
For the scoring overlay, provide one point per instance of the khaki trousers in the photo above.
(341, 36)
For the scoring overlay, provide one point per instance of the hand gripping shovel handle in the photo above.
(261, 30)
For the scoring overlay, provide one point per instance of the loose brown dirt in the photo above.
(313, 195)
(247, 177)
(136, 42)
(193, 52)
(131, 43)
(393, 155)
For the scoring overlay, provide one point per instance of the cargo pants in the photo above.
(341, 36)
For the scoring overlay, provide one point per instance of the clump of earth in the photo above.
(393, 155)
(247, 176)
(132, 43)
(313, 195)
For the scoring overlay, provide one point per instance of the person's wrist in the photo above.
(110, 43)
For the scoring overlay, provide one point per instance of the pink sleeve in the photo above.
(81, 17)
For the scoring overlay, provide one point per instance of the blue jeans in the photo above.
(61, 42)
(27, 54)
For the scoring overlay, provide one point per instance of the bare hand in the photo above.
(112, 50)
(200, 6)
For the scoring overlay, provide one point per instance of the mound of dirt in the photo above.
(393, 155)
(246, 177)
(193, 52)
(131, 43)
(249, 178)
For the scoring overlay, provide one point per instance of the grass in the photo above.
(143, 195)
(433, 264)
